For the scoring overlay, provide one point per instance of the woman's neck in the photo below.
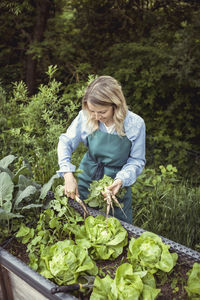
(109, 123)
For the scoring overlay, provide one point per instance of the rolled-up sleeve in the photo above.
(136, 132)
(67, 144)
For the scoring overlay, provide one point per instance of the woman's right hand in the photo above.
(71, 186)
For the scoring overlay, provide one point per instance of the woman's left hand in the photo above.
(114, 188)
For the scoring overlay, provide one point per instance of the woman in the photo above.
(115, 138)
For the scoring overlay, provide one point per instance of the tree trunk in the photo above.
(42, 14)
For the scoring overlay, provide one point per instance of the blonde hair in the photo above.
(106, 91)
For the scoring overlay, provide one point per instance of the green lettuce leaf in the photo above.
(102, 289)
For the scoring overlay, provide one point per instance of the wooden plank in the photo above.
(6, 288)
(22, 290)
(3, 293)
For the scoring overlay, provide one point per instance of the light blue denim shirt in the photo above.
(78, 131)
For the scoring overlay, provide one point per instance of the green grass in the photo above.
(170, 208)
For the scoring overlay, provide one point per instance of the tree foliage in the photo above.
(40, 120)
(150, 46)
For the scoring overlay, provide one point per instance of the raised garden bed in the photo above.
(20, 282)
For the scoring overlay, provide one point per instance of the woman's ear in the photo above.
(114, 107)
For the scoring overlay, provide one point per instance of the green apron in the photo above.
(107, 153)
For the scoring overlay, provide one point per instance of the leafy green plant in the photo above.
(104, 238)
(149, 192)
(51, 252)
(96, 198)
(127, 284)
(41, 118)
(193, 283)
(167, 205)
(65, 262)
(60, 205)
(53, 225)
(20, 197)
(148, 252)
(155, 183)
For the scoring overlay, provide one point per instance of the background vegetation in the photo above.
(49, 49)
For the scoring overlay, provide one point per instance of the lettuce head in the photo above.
(148, 252)
(127, 285)
(104, 238)
(65, 262)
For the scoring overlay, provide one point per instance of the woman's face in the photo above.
(101, 113)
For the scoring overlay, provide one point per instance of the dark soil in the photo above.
(171, 284)
(17, 249)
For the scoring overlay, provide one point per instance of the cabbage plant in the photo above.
(148, 252)
(104, 238)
